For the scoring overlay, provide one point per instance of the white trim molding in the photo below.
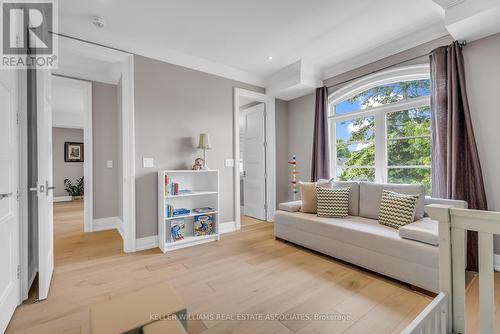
(227, 227)
(270, 151)
(146, 243)
(108, 223)
(63, 199)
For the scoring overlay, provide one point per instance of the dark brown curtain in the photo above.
(456, 170)
(320, 168)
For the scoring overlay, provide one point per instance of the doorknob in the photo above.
(2, 196)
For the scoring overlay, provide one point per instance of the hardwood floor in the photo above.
(246, 273)
(247, 220)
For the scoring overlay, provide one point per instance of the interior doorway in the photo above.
(254, 152)
(101, 70)
(72, 147)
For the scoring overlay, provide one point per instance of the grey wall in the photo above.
(105, 147)
(482, 67)
(300, 133)
(65, 170)
(173, 105)
(282, 156)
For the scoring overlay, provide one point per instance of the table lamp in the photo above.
(204, 144)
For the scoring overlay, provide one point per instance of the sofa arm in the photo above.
(292, 206)
(451, 202)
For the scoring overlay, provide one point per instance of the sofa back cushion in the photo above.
(353, 194)
(308, 194)
(370, 195)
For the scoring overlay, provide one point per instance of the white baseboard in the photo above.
(120, 228)
(63, 199)
(146, 243)
(497, 262)
(227, 227)
(108, 223)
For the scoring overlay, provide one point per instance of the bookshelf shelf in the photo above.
(192, 215)
(204, 192)
(194, 193)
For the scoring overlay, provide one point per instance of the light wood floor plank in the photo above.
(247, 272)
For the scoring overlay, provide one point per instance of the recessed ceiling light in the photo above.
(270, 57)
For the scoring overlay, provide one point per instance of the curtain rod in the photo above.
(462, 44)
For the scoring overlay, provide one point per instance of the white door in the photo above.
(9, 222)
(45, 182)
(254, 162)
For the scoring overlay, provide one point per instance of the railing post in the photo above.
(458, 267)
(441, 213)
(486, 283)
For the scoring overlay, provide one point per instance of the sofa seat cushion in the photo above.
(362, 232)
(424, 230)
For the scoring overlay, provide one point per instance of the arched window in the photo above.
(380, 128)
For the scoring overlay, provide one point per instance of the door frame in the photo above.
(270, 136)
(17, 84)
(124, 71)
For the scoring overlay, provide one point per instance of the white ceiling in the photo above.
(233, 38)
(238, 35)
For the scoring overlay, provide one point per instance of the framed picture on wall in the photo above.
(73, 152)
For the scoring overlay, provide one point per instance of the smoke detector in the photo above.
(98, 21)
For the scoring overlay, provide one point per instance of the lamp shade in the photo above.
(204, 142)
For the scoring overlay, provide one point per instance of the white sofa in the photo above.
(361, 240)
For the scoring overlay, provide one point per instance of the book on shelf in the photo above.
(169, 210)
(181, 212)
(203, 210)
(177, 229)
(203, 225)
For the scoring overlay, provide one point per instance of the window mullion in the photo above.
(380, 148)
(332, 133)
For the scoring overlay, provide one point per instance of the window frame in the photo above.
(407, 73)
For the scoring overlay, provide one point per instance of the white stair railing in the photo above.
(453, 224)
(433, 319)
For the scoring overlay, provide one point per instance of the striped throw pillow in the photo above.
(333, 203)
(396, 209)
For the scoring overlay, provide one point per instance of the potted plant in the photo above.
(74, 190)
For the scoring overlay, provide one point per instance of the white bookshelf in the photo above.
(204, 187)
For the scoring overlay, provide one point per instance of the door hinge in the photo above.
(17, 194)
(265, 144)
(265, 206)
(18, 271)
(17, 117)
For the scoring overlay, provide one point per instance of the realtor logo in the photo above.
(27, 34)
